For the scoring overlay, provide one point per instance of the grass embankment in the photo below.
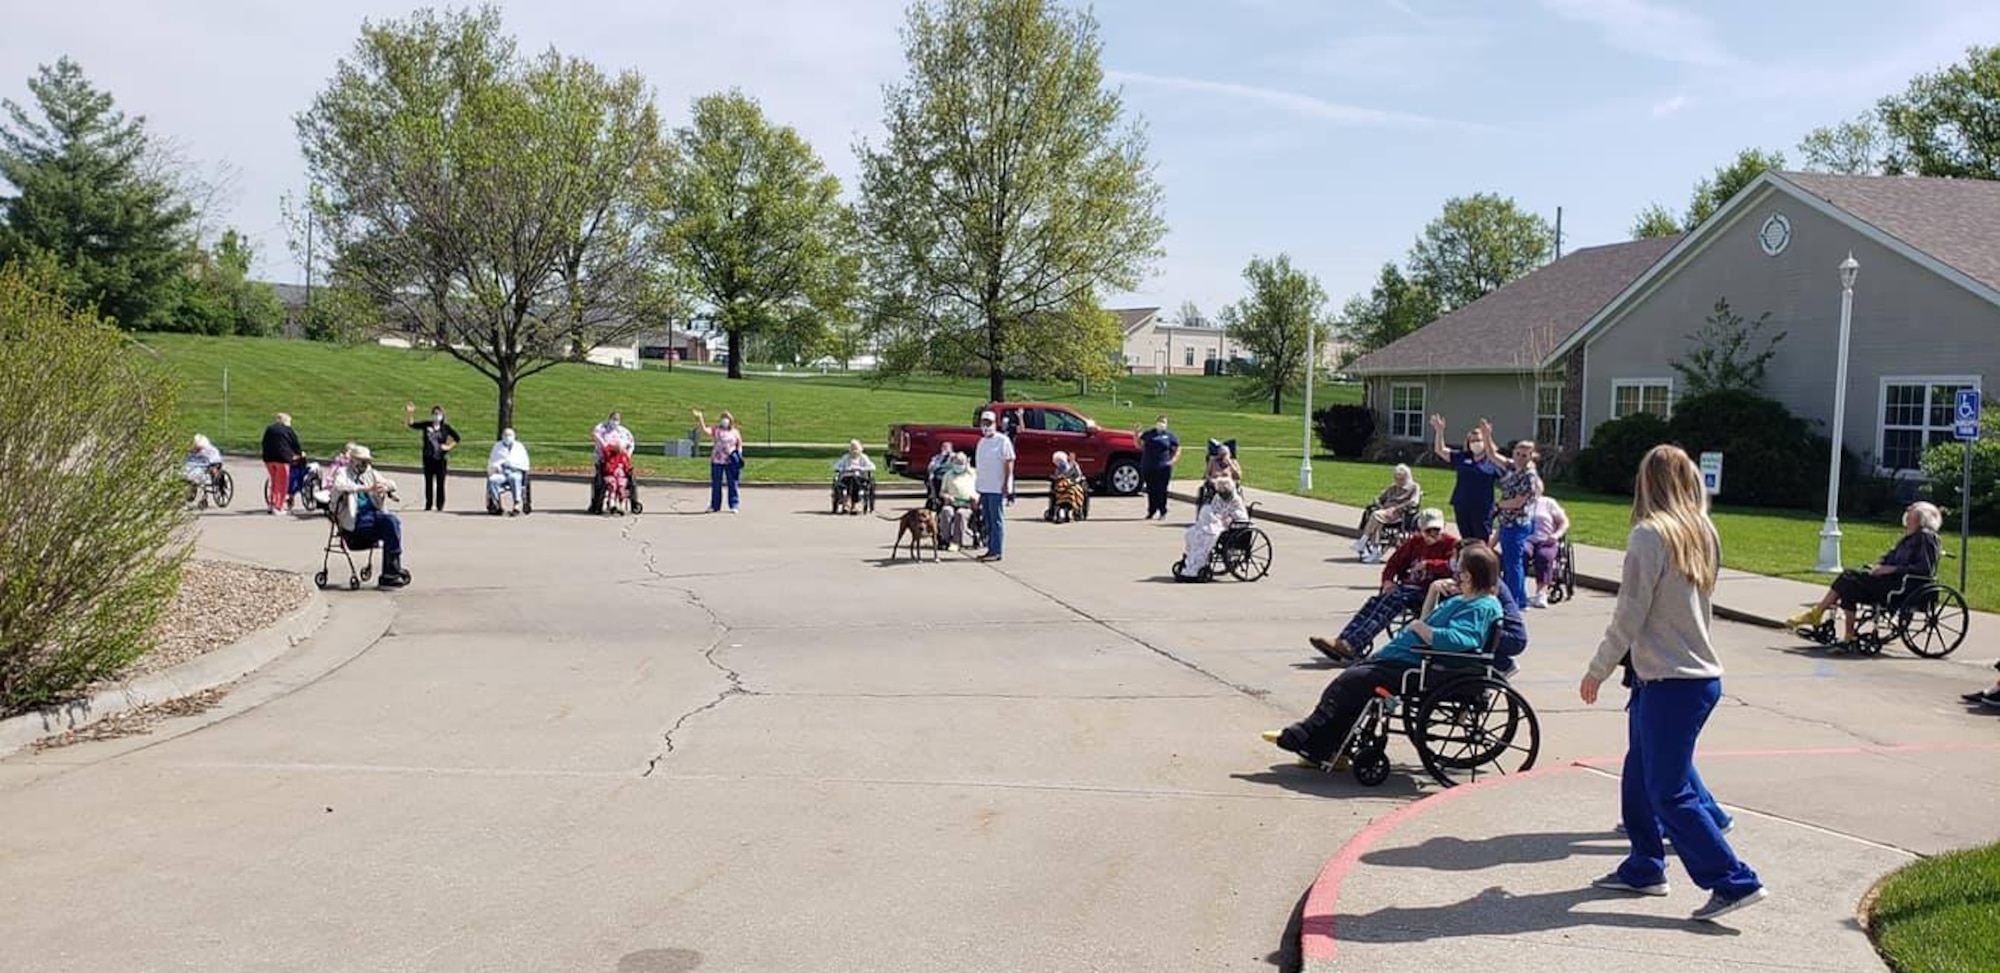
(1942, 915)
(335, 393)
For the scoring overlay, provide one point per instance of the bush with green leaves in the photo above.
(1345, 430)
(1771, 458)
(1944, 467)
(1611, 461)
(92, 524)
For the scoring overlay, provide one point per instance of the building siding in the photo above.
(1507, 400)
(1907, 321)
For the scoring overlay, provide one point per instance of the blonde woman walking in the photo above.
(1662, 620)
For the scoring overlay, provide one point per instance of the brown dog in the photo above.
(918, 525)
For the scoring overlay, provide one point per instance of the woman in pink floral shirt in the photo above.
(725, 459)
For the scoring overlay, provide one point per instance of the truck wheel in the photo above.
(1122, 478)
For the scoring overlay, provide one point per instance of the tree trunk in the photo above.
(1278, 400)
(504, 410)
(735, 354)
(996, 375)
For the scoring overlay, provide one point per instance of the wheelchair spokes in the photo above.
(1935, 624)
(1475, 724)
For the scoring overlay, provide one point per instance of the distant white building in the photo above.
(1156, 346)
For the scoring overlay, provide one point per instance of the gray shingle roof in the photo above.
(1956, 221)
(1130, 318)
(1515, 326)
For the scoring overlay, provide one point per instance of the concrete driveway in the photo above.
(691, 741)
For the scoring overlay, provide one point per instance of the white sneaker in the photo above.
(1360, 546)
(1540, 600)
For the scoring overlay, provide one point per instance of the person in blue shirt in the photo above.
(1478, 472)
(1159, 450)
(1460, 624)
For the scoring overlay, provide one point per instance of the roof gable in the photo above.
(1511, 329)
(1943, 225)
(1131, 319)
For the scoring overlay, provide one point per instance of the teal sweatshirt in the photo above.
(1459, 624)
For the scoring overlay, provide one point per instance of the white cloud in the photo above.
(1291, 101)
(1656, 30)
(1671, 106)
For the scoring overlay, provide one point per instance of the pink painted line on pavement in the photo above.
(1316, 937)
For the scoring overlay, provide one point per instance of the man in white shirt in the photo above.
(507, 470)
(993, 465)
(611, 430)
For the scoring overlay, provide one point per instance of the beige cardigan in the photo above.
(1661, 619)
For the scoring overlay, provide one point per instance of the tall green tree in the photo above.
(1727, 181)
(1654, 221)
(1009, 191)
(216, 296)
(487, 204)
(1283, 311)
(754, 222)
(1395, 306)
(1477, 245)
(1947, 123)
(84, 196)
(1852, 148)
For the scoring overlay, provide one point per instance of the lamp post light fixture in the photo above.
(1829, 533)
(1306, 447)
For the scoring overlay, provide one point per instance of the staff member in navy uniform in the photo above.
(439, 440)
(1159, 450)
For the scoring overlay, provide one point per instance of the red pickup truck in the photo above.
(1109, 458)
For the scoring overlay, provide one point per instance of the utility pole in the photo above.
(1559, 233)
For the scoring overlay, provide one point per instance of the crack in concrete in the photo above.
(1809, 721)
(733, 679)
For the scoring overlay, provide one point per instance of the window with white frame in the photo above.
(1548, 414)
(1189, 357)
(1916, 415)
(1406, 412)
(1654, 395)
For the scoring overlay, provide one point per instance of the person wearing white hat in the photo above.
(1425, 557)
(993, 464)
(362, 492)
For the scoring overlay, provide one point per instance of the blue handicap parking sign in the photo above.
(1965, 425)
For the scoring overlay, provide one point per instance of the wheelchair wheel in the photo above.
(1371, 767)
(319, 580)
(353, 583)
(225, 489)
(1936, 622)
(868, 497)
(637, 507)
(1475, 724)
(1246, 553)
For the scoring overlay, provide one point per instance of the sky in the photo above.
(1331, 130)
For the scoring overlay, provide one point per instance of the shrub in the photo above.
(1610, 462)
(1943, 465)
(91, 528)
(1771, 458)
(1345, 430)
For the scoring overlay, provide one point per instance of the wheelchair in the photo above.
(1562, 577)
(1242, 552)
(1392, 535)
(865, 499)
(1459, 712)
(219, 488)
(526, 499)
(1074, 507)
(1928, 616)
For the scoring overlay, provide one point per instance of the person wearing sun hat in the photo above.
(362, 493)
(1423, 558)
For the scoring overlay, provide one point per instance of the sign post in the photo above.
(1711, 473)
(1965, 428)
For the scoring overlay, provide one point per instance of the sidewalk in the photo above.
(1740, 596)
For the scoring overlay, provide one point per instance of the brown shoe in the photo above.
(1337, 650)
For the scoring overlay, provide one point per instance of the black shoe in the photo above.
(1976, 696)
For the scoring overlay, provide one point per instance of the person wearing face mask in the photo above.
(605, 434)
(507, 473)
(1159, 450)
(993, 466)
(958, 490)
(725, 458)
(439, 439)
(1472, 495)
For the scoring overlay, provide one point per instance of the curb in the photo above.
(1590, 581)
(203, 672)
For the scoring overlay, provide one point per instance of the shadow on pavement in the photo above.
(1449, 853)
(1497, 912)
(1288, 957)
(1319, 783)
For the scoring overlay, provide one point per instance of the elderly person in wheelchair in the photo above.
(1224, 508)
(363, 517)
(202, 467)
(1396, 504)
(1423, 558)
(957, 497)
(507, 475)
(1915, 555)
(1461, 624)
(853, 472)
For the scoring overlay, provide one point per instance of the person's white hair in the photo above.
(854, 445)
(1929, 517)
(200, 441)
(1059, 458)
(507, 433)
(1401, 472)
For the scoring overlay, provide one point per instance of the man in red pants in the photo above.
(281, 449)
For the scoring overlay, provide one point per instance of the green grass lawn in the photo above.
(335, 393)
(1942, 915)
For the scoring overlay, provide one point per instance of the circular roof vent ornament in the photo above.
(1775, 235)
